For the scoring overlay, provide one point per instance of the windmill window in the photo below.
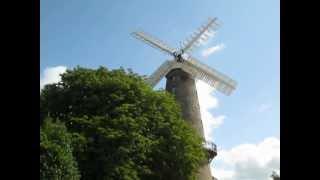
(175, 78)
(173, 90)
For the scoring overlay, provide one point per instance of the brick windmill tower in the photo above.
(181, 73)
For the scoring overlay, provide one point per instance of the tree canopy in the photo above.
(120, 127)
(56, 159)
(275, 176)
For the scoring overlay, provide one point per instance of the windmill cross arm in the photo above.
(153, 42)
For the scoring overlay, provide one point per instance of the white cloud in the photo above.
(207, 101)
(51, 75)
(248, 161)
(207, 52)
(245, 161)
(222, 174)
(264, 107)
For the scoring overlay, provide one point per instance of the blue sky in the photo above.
(94, 33)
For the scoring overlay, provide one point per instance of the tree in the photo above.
(122, 129)
(56, 159)
(275, 176)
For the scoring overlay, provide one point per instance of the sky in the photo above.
(246, 47)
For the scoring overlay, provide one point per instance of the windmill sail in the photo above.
(197, 70)
(160, 72)
(192, 66)
(153, 42)
(212, 77)
(199, 37)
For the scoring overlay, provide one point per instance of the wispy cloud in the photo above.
(207, 52)
(207, 102)
(51, 75)
(249, 161)
(264, 107)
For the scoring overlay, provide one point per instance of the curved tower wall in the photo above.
(183, 86)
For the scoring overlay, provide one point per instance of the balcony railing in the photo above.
(211, 148)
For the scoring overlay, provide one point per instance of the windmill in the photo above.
(181, 73)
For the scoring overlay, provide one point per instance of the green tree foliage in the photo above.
(56, 159)
(275, 176)
(122, 129)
